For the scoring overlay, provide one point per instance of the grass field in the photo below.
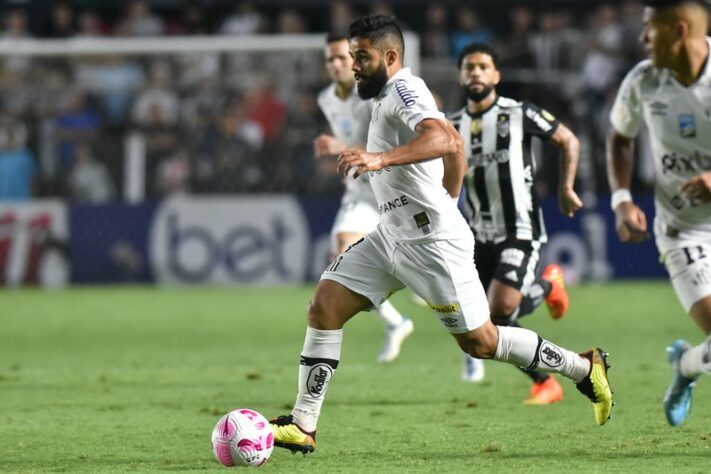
(133, 380)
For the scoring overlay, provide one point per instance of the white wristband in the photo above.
(620, 196)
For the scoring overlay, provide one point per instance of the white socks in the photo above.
(528, 350)
(389, 315)
(319, 360)
(697, 360)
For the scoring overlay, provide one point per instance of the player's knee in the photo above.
(317, 314)
(502, 313)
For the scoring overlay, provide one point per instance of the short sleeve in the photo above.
(626, 112)
(414, 103)
(538, 122)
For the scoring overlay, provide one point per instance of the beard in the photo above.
(478, 96)
(371, 87)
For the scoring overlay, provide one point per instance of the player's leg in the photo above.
(453, 281)
(354, 220)
(515, 270)
(690, 272)
(353, 282)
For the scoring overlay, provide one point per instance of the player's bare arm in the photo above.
(454, 165)
(433, 140)
(568, 200)
(698, 188)
(328, 145)
(630, 220)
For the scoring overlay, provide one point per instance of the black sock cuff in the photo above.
(311, 361)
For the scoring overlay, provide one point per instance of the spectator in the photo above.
(89, 180)
(17, 165)
(435, 38)
(90, 25)
(16, 25)
(341, 16)
(173, 174)
(515, 50)
(78, 122)
(290, 21)
(245, 21)
(62, 21)
(469, 30)
(266, 109)
(237, 167)
(139, 21)
(159, 93)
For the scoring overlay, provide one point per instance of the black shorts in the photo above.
(512, 262)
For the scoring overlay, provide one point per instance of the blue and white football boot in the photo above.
(677, 399)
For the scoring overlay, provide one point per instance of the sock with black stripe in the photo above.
(527, 349)
(319, 360)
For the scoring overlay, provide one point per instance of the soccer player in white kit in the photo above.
(670, 93)
(348, 117)
(415, 161)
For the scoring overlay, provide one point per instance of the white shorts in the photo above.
(689, 268)
(440, 272)
(354, 216)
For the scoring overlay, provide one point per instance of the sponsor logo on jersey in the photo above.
(483, 159)
(538, 120)
(444, 308)
(511, 276)
(547, 115)
(393, 204)
(449, 322)
(513, 257)
(658, 108)
(550, 355)
(687, 125)
(676, 163)
(408, 96)
(319, 376)
(380, 171)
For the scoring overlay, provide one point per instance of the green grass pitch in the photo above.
(133, 380)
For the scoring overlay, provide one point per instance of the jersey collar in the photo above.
(402, 73)
(482, 112)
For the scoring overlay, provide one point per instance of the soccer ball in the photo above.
(242, 437)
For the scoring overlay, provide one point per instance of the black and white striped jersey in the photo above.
(500, 202)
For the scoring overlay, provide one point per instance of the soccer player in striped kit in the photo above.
(502, 205)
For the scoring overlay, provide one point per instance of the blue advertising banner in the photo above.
(280, 239)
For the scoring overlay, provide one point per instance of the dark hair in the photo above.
(377, 28)
(477, 48)
(334, 36)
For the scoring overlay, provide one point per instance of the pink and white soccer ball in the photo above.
(242, 437)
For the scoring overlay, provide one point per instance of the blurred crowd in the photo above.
(243, 122)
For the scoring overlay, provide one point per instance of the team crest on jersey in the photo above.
(476, 127)
(687, 125)
(502, 125)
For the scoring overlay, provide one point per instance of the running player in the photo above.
(502, 205)
(348, 116)
(670, 93)
(416, 166)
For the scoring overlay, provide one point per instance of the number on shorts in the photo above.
(694, 254)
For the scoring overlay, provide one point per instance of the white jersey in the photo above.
(679, 122)
(349, 119)
(413, 204)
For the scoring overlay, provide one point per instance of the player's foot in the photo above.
(557, 300)
(289, 435)
(595, 385)
(394, 336)
(677, 399)
(472, 369)
(543, 393)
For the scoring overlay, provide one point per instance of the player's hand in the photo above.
(630, 222)
(569, 201)
(361, 160)
(326, 145)
(698, 188)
